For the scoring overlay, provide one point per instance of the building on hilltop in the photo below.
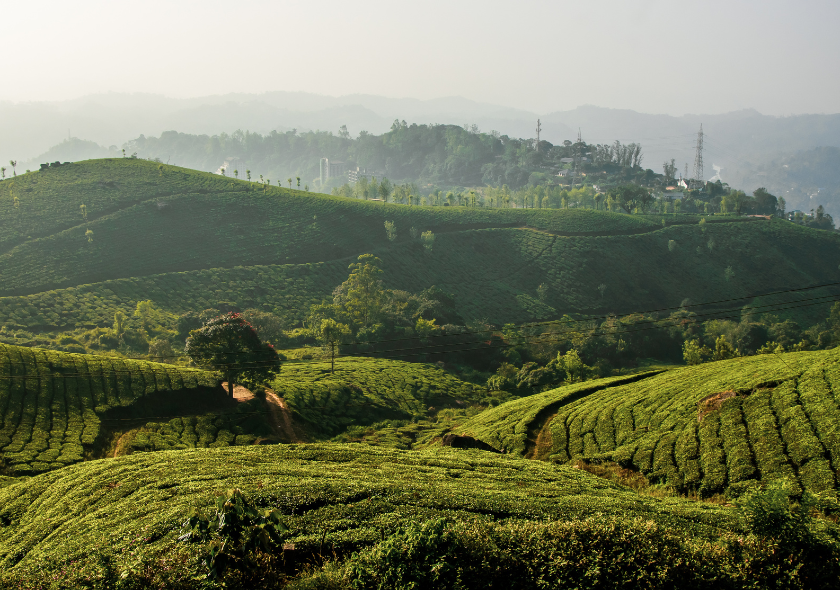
(330, 170)
(354, 176)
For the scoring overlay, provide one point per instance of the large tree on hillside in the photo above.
(630, 196)
(230, 345)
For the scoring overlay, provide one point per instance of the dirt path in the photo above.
(278, 413)
(280, 417)
(118, 445)
(240, 393)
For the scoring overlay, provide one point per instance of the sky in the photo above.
(671, 56)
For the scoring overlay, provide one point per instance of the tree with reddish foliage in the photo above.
(230, 345)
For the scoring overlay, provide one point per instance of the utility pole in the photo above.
(539, 128)
(698, 159)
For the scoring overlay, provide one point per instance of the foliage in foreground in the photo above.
(711, 428)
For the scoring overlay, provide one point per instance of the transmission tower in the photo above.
(698, 158)
(539, 128)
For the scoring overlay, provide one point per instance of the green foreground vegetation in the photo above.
(719, 427)
(120, 519)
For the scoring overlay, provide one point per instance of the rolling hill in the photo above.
(712, 428)
(58, 408)
(190, 241)
(342, 497)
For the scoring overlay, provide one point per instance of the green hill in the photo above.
(363, 391)
(333, 498)
(189, 241)
(57, 408)
(711, 428)
(146, 221)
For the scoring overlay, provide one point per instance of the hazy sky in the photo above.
(653, 56)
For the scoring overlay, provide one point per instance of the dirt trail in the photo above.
(118, 445)
(280, 417)
(278, 412)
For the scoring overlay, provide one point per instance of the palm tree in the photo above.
(14, 164)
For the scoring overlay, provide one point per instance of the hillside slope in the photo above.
(145, 220)
(189, 240)
(340, 497)
(712, 428)
(367, 390)
(53, 404)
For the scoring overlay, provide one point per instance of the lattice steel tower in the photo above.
(539, 128)
(698, 158)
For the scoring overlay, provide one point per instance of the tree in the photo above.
(84, 211)
(694, 353)
(331, 334)
(222, 170)
(145, 311)
(737, 200)
(248, 175)
(428, 239)
(89, 236)
(781, 204)
(230, 345)
(391, 230)
(298, 182)
(729, 273)
(160, 170)
(236, 174)
(289, 180)
(631, 196)
(362, 295)
(723, 350)
(119, 325)
(14, 166)
(343, 133)
(385, 189)
(765, 203)
(670, 169)
(3, 172)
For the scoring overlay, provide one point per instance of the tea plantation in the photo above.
(366, 390)
(52, 404)
(140, 220)
(711, 428)
(493, 273)
(334, 498)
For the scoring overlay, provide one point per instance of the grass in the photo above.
(333, 497)
(53, 404)
(720, 427)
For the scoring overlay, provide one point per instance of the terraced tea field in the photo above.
(52, 404)
(493, 274)
(366, 390)
(170, 229)
(712, 428)
(341, 497)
